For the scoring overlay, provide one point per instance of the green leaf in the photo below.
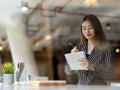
(8, 68)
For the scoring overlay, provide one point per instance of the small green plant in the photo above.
(8, 68)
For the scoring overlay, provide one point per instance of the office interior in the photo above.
(39, 34)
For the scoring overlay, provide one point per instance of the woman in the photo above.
(99, 54)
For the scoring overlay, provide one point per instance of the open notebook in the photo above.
(73, 60)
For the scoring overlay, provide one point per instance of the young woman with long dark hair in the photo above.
(99, 53)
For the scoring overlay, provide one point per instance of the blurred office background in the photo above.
(43, 29)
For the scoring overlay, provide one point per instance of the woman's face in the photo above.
(88, 30)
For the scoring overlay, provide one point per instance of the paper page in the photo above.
(73, 60)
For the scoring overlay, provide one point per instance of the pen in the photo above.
(71, 45)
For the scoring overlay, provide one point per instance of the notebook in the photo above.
(73, 60)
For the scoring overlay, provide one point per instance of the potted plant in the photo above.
(8, 69)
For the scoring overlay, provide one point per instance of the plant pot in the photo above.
(8, 78)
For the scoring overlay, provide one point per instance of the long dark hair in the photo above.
(99, 34)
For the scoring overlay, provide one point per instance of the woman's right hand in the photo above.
(74, 50)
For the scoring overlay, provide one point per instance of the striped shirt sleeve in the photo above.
(105, 69)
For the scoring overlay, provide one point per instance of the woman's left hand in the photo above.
(86, 63)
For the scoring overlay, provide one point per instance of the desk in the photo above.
(68, 87)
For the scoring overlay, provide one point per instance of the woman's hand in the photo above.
(74, 50)
(86, 63)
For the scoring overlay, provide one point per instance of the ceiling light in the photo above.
(117, 50)
(108, 26)
(48, 37)
(24, 6)
(90, 2)
(24, 9)
(1, 48)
